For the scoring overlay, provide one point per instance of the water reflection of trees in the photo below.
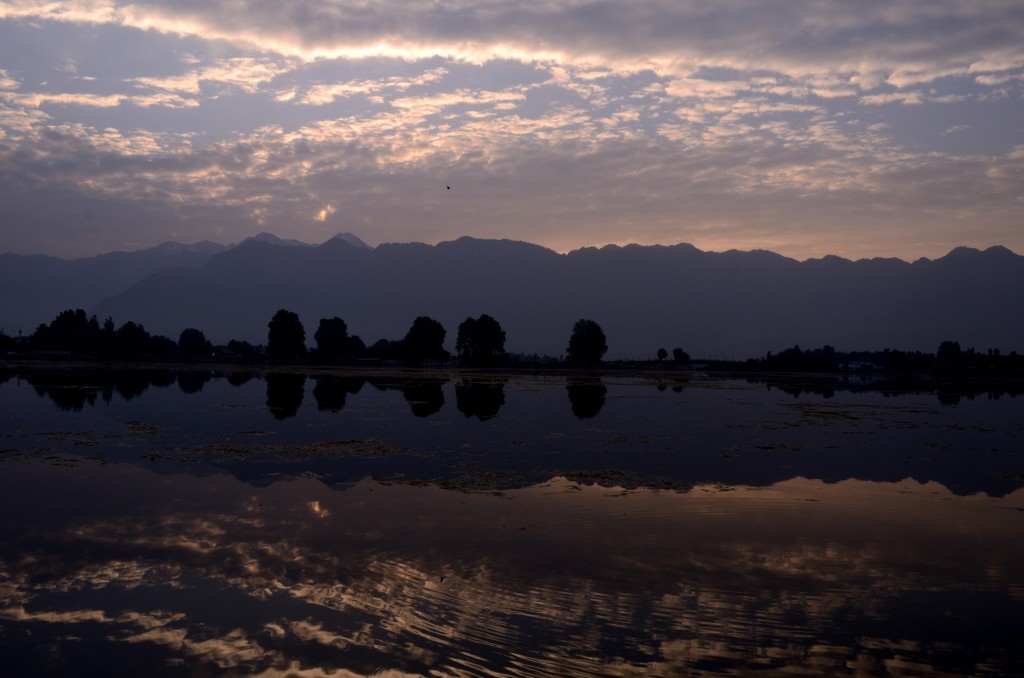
(193, 382)
(73, 390)
(480, 397)
(425, 395)
(586, 396)
(240, 378)
(947, 392)
(331, 392)
(284, 394)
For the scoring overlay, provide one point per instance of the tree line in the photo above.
(480, 342)
(949, 359)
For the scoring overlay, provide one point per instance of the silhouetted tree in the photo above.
(70, 331)
(481, 341)
(680, 356)
(385, 349)
(795, 359)
(424, 341)
(587, 343)
(243, 349)
(132, 340)
(286, 338)
(332, 341)
(356, 346)
(662, 354)
(193, 344)
(162, 347)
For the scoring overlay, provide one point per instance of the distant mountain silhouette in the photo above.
(34, 289)
(738, 304)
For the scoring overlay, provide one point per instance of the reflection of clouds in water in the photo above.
(577, 580)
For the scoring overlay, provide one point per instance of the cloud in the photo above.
(797, 38)
(909, 98)
(6, 81)
(580, 172)
(327, 211)
(653, 121)
(326, 93)
(36, 100)
(39, 100)
(245, 73)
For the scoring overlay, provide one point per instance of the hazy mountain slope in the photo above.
(734, 304)
(34, 289)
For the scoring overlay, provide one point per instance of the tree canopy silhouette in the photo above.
(333, 342)
(481, 341)
(424, 341)
(286, 337)
(193, 344)
(75, 333)
(587, 343)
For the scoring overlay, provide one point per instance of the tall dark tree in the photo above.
(71, 330)
(587, 343)
(132, 340)
(193, 344)
(286, 337)
(424, 341)
(662, 354)
(680, 356)
(481, 341)
(332, 340)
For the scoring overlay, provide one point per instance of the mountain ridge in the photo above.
(645, 297)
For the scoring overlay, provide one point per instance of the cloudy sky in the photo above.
(807, 127)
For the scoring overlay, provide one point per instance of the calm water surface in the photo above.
(182, 523)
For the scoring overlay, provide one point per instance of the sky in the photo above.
(806, 127)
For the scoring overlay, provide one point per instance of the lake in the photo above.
(196, 523)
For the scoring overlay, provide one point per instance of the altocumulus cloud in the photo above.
(804, 127)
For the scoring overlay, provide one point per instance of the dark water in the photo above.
(181, 523)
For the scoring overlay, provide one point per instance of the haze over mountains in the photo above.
(730, 304)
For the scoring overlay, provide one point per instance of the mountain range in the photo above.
(711, 304)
